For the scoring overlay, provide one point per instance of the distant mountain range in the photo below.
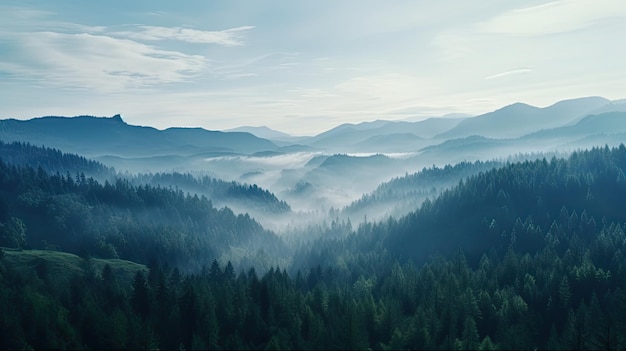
(264, 132)
(519, 119)
(593, 130)
(341, 163)
(102, 136)
(358, 137)
(98, 136)
(509, 122)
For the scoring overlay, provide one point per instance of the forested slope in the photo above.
(247, 196)
(402, 195)
(530, 255)
(139, 223)
(519, 205)
(52, 160)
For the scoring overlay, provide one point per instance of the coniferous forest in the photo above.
(301, 175)
(526, 255)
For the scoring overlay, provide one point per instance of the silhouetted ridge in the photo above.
(99, 136)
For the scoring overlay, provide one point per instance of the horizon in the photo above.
(303, 68)
(272, 128)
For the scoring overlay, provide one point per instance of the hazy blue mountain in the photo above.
(397, 142)
(316, 161)
(605, 123)
(341, 162)
(338, 179)
(613, 106)
(427, 128)
(519, 119)
(297, 148)
(469, 149)
(592, 130)
(263, 132)
(94, 136)
(449, 115)
(349, 135)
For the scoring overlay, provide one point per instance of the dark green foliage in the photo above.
(230, 193)
(111, 220)
(51, 160)
(442, 304)
(521, 205)
(529, 256)
(402, 195)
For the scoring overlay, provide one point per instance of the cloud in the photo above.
(96, 62)
(312, 93)
(39, 47)
(554, 17)
(228, 37)
(509, 73)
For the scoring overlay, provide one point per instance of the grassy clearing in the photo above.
(61, 266)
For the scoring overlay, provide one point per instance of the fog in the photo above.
(321, 186)
(328, 177)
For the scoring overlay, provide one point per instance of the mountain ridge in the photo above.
(518, 119)
(98, 136)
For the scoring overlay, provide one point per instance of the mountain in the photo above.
(52, 160)
(97, 136)
(120, 220)
(605, 124)
(522, 206)
(241, 198)
(593, 130)
(351, 135)
(469, 149)
(338, 179)
(263, 132)
(397, 142)
(519, 119)
(449, 115)
(613, 106)
(402, 195)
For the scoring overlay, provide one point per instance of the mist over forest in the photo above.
(504, 230)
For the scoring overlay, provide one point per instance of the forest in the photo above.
(525, 255)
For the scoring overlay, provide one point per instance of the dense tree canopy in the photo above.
(140, 223)
(529, 255)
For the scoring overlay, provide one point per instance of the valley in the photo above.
(440, 233)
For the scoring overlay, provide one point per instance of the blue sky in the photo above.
(303, 66)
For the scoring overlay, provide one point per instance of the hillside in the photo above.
(120, 220)
(59, 267)
(402, 195)
(524, 255)
(488, 206)
(51, 160)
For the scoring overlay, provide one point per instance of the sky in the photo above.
(303, 67)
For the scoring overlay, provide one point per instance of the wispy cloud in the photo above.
(97, 61)
(509, 73)
(227, 37)
(312, 93)
(40, 47)
(554, 17)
